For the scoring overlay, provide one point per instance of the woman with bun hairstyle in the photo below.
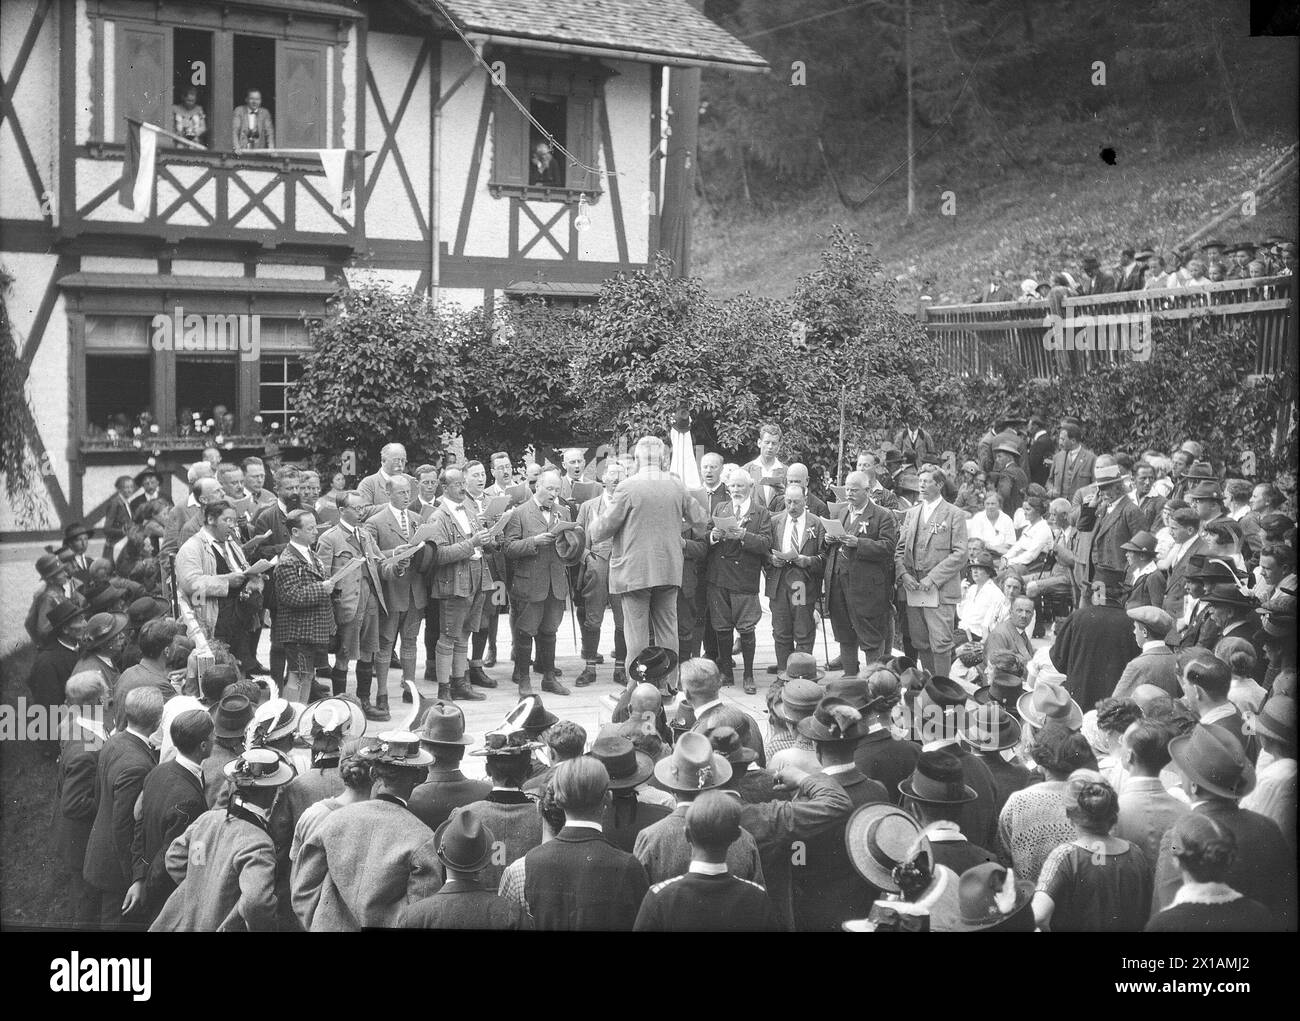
(357, 781)
(1096, 882)
(1205, 851)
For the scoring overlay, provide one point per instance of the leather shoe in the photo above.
(444, 692)
(430, 672)
(750, 687)
(600, 660)
(774, 669)
(463, 691)
(375, 713)
(588, 676)
(406, 694)
(835, 664)
(620, 676)
(553, 687)
(490, 658)
(478, 677)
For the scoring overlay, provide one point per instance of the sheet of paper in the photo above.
(347, 569)
(835, 509)
(425, 533)
(584, 491)
(724, 518)
(519, 493)
(834, 529)
(495, 507)
(841, 494)
(261, 567)
(560, 525)
(923, 597)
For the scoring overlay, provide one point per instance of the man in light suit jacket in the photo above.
(404, 590)
(374, 488)
(124, 762)
(1012, 634)
(593, 583)
(795, 574)
(251, 125)
(645, 562)
(931, 554)
(736, 558)
(540, 545)
(360, 599)
(1072, 466)
(860, 576)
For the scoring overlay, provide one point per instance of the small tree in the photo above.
(383, 366)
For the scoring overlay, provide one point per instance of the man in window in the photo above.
(542, 168)
(252, 127)
(188, 119)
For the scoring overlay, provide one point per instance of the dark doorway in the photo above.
(254, 68)
(191, 69)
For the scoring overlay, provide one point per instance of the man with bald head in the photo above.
(798, 473)
(737, 553)
(860, 577)
(869, 464)
(540, 542)
(794, 574)
(715, 494)
(644, 523)
(205, 491)
(374, 488)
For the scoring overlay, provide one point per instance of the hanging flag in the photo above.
(136, 192)
(340, 177)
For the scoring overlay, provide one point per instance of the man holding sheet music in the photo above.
(360, 599)
(795, 575)
(304, 622)
(860, 574)
(394, 527)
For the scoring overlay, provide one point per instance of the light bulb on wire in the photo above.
(582, 222)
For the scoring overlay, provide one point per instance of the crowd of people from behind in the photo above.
(1064, 695)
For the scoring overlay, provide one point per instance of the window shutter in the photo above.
(143, 75)
(580, 139)
(300, 93)
(509, 143)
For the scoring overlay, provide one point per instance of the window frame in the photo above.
(581, 83)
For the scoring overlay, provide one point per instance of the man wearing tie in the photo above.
(251, 124)
(360, 601)
(1012, 634)
(860, 577)
(736, 557)
(794, 577)
(405, 591)
(931, 553)
(715, 494)
(539, 549)
(304, 624)
(593, 582)
(76, 537)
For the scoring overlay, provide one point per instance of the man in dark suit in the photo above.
(465, 847)
(155, 643)
(711, 497)
(859, 574)
(1216, 776)
(54, 663)
(827, 889)
(447, 788)
(148, 488)
(1234, 614)
(273, 518)
(541, 543)
(797, 474)
(405, 589)
(794, 576)
(171, 799)
(627, 813)
(736, 557)
(707, 897)
(1095, 643)
(1183, 560)
(76, 795)
(1072, 466)
(915, 442)
(579, 881)
(935, 794)
(879, 754)
(1112, 517)
(1205, 683)
(374, 488)
(117, 518)
(1095, 279)
(1042, 445)
(124, 762)
(304, 623)
(1151, 504)
(1012, 635)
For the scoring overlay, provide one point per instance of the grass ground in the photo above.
(1028, 223)
(31, 881)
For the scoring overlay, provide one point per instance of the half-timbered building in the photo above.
(443, 104)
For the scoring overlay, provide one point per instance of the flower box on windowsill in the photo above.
(542, 193)
(147, 445)
(250, 159)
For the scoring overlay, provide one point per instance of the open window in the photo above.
(561, 103)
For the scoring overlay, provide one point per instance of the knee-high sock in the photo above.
(478, 643)
(723, 658)
(365, 672)
(942, 663)
(849, 657)
(442, 657)
(748, 641)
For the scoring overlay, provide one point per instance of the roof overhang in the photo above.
(647, 55)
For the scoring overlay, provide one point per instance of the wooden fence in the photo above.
(1100, 328)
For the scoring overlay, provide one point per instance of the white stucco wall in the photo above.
(389, 210)
(36, 99)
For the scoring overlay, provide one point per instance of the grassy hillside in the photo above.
(1029, 223)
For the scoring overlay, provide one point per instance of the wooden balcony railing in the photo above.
(976, 339)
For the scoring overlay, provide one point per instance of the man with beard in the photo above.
(860, 577)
